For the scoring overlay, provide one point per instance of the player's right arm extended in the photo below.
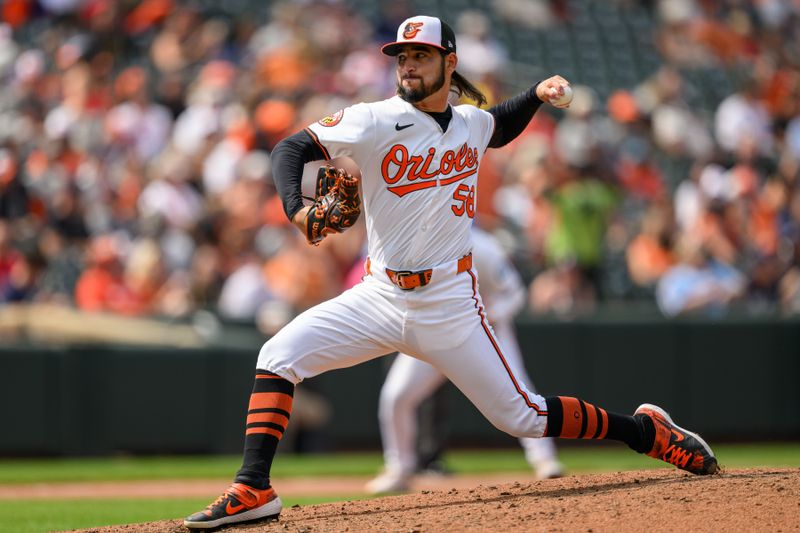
(288, 159)
(512, 116)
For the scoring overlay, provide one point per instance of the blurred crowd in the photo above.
(135, 142)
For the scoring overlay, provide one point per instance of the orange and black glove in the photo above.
(337, 205)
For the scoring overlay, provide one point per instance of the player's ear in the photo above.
(450, 62)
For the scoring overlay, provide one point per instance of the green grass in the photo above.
(37, 516)
(181, 467)
(582, 458)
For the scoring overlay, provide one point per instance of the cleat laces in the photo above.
(234, 492)
(218, 501)
(677, 456)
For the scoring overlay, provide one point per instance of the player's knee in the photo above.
(508, 427)
(277, 361)
(394, 400)
(268, 356)
(516, 427)
(387, 406)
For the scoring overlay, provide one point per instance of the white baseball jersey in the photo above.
(414, 177)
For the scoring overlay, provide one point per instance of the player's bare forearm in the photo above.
(299, 219)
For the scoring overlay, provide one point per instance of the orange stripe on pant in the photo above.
(467, 264)
(264, 400)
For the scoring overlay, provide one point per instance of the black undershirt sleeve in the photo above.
(288, 159)
(512, 116)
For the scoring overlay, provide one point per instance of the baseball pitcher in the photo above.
(419, 158)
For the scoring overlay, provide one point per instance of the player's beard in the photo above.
(413, 96)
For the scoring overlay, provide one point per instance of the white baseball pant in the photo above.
(409, 382)
(442, 324)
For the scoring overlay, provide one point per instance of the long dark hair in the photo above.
(464, 87)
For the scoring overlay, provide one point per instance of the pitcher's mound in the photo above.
(652, 500)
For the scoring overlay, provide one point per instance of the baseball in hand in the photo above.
(564, 100)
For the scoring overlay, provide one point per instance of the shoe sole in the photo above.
(665, 414)
(270, 510)
(550, 472)
(395, 489)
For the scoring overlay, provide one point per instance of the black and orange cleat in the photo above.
(240, 503)
(677, 446)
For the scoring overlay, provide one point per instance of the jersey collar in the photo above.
(410, 106)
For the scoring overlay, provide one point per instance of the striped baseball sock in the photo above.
(267, 418)
(572, 418)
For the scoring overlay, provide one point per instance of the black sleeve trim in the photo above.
(316, 140)
(288, 159)
(512, 116)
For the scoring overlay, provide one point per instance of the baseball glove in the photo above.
(337, 204)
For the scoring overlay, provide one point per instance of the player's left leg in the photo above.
(540, 453)
(481, 370)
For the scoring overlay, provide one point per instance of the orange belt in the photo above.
(408, 280)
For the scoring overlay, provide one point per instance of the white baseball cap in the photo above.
(423, 30)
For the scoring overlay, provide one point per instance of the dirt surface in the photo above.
(653, 500)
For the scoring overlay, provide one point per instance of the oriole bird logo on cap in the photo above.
(412, 29)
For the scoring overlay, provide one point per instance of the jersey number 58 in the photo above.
(464, 196)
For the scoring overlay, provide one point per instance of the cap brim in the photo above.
(392, 49)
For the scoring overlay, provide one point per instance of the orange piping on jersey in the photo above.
(316, 140)
(458, 177)
(528, 402)
(268, 376)
(402, 190)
